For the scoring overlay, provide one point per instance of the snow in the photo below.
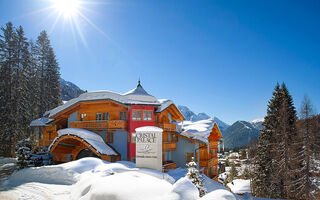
(148, 129)
(257, 120)
(105, 95)
(219, 194)
(240, 186)
(43, 121)
(139, 94)
(7, 166)
(199, 130)
(164, 104)
(93, 178)
(92, 138)
(185, 189)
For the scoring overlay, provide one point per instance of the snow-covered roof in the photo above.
(43, 121)
(199, 130)
(135, 96)
(139, 94)
(164, 104)
(148, 129)
(127, 98)
(92, 138)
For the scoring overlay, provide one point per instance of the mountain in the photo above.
(222, 125)
(191, 116)
(257, 123)
(240, 133)
(69, 90)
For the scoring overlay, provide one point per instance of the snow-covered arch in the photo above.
(71, 141)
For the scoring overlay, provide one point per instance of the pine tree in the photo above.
(52, 78)
(23, 112)
(7, 118)
(47, 73)
(264, 164)
(195, 177)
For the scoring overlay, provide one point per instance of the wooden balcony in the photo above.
(167, 165)
(168, 126)
(100, 124)
(169, 146)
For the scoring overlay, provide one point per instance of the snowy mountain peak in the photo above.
(191, 116)
(69, 90)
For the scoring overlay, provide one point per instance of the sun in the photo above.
(68, 8)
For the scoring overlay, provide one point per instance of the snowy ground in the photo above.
(92, 178)
(7, 166)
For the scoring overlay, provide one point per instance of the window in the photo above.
(112, 159)
(82, 116)
(174, 138)
(98, 116)
(189, 157)
(123, 115)
(145, 115)
(213, 152)
(133, 138)
(139, 115)
(134, 115)
(105, 116)
(210, 173)
(196, 160)
(110, 138)
(149, 115)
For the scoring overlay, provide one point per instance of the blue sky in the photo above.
(219, 57)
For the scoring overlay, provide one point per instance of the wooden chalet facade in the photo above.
(70, 131)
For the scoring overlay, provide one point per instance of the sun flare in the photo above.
(68, 8)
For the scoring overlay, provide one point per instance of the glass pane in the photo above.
(138, 115)
(134, 115)
(149, 115)
(145, 117)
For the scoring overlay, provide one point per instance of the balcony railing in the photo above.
(169, 146)
(100, 124)
(168, 126)
(167, 165)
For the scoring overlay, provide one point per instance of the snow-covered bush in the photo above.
(195, 177)
(24, 154)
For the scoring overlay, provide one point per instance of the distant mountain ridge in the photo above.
(69, 90)
(191, 116)
(240, 133)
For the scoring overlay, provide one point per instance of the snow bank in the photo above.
(185, 189)
(122, 186)
(93, 178)
(219, 194)
(240, 186)
(47, 175)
